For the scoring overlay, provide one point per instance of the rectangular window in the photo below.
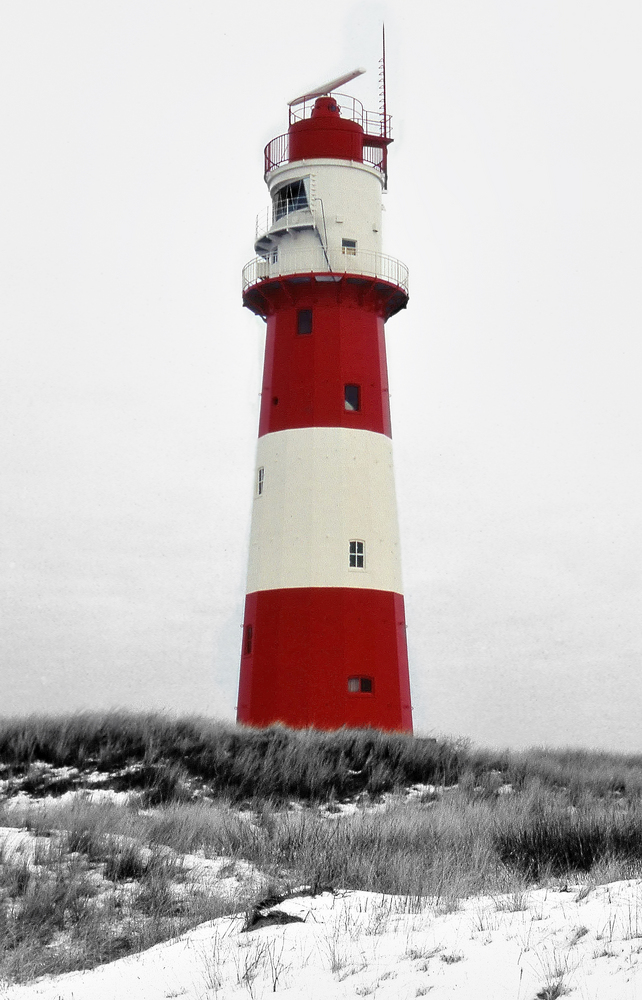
(247, 642)
(260, 480)
(360, 684)
(352, 396)
(357, 554)
(304, 321)
(349, 247)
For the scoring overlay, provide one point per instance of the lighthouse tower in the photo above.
(324, 635)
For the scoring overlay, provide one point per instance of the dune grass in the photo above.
(169, 757)
(89, 893)
(108, 879)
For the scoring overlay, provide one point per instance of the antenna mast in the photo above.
(382, 81)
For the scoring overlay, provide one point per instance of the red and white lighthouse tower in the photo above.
(324, 636)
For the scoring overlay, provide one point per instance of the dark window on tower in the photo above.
(260, 481)
(349, 247)
(352, 397)
(304, 321)
(290, 198)
(360, 684)
(357, 558)
(247, 642)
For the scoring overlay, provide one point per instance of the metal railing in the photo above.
(268, 217)
(277, 152)
(318, 261)
(375, 156)
(263, 222)
(372, 122)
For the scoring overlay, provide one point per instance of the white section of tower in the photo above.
(344, 202)
(322, 487)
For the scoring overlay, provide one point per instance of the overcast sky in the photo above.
(131, 176)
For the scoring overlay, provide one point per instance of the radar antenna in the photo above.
(326, 88)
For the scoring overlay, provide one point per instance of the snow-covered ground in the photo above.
(585, 942)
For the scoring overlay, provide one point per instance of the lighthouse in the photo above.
(324, 632)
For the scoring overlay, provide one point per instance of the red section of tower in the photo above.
(305, 374)
(333, 635)
(331, 655)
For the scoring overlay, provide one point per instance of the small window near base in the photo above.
(352, 397)
(304, 321)
(247, 641)
(349, 247)
(360, 685)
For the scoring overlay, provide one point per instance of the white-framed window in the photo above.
(349, 247)
(357, 554)
(260, 481)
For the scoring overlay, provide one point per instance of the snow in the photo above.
(89, 790)
(95, 796)
(357, 944)
(222, 875)
(89, 786)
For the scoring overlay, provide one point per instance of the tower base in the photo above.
(349, 648)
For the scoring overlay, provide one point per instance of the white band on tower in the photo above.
(322, 487)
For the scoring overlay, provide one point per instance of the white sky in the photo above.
(129, 372)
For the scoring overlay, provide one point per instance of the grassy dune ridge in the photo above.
(282, 809)
(306, 764)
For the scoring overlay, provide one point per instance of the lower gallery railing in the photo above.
(318, 261)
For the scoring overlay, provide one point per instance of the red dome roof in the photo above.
(326, 134)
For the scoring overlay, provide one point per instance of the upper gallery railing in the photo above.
(277, 153)
(372, 122)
